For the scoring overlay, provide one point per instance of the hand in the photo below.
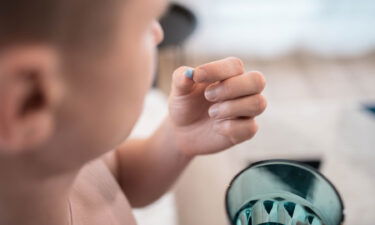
(213, 107)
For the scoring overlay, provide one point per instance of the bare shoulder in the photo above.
(97, 176)
(111, 162)
(98, 199)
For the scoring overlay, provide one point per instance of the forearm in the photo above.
(148, 168)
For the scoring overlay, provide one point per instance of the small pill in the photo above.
(189, 73)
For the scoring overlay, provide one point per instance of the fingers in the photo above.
(182, 83)
(250, 106)
(238, 130)
(247, 84)
(184, 77)
(219, 70)
(238, 96)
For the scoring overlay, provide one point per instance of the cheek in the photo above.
(139, 74)
(129, 88)
(146, 65)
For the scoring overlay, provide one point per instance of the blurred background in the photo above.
(319, 61)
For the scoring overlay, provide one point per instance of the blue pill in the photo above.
(189, 73)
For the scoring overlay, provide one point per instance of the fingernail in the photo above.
(189, 73)
(210, 94)
(213, 111)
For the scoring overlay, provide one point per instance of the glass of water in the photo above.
(282, 192)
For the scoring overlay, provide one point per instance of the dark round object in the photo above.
(178, 24)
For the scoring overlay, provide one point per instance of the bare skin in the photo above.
(97, 198)
(56, 162)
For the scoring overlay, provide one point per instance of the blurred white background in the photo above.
(274, 27)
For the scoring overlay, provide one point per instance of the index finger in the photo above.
(219, 70)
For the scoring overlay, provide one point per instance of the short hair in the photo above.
(73, 25)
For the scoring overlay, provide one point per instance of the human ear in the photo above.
(30, 92)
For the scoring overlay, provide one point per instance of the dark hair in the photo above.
(73, 25)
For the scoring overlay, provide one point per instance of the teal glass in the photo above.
(282, 192)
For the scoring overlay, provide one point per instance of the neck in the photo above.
(30, 199)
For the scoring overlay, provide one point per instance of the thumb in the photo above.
(183, 83)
